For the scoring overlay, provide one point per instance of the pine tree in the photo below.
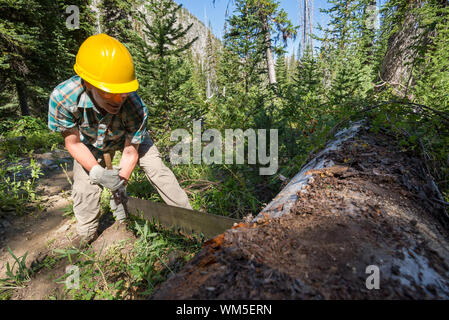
(431, 72)
(116, 18)
(307, 77)
(37, 49)
(305, 91)
(281, 74)
(255, 21)
(291, 67)
(211, 61)
(160, 63)
(346, 82)
(243, 39)
(340, 29)
(347, 51)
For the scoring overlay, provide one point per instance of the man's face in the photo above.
(110, 102)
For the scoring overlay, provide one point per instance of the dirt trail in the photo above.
(41, 232)
(36, 233)
(375, 207)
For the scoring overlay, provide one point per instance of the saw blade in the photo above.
(189, 221)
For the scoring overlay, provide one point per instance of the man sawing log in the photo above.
(98, 111)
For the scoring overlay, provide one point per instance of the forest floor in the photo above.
(42, 232)
(374, 208)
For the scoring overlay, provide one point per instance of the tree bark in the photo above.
(333, 233)
(397, 65)
(21, 93)
(269, 51)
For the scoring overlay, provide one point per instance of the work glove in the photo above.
(106, 178)
(118, 209)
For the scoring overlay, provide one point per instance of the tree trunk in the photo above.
(21, 93)
(336, 232)
(397, 65)
(270, 59)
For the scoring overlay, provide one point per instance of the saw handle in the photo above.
(108, 160)
(118, 198)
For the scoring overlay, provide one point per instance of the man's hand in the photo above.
(118, 209)
(107, 178)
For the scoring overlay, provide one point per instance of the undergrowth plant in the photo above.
(123, 272)
(18, 194)
(20, 136)
(17, 274)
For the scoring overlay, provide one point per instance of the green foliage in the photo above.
(17, 274)
(245, 40)
(432, 76)
(115, 18)
(281, 74)
(164, 67)
(154, 251)
(18, 195)
(27, 134)
(120, 273)
(306, 87)
(37, 48)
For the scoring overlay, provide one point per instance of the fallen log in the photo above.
(358, 222)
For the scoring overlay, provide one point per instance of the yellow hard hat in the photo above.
(106, 64)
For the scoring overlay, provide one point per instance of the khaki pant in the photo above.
(86, 195)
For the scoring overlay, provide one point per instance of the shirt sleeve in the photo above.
(59, 118)
(136, 118)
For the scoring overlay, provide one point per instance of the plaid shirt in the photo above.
(70, 106)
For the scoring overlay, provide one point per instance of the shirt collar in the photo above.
(86, 102)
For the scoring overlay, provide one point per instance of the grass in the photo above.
(17, 275)
(121, 272)
(20, 137)
(118, 274)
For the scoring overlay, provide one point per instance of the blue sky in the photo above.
(216, 14)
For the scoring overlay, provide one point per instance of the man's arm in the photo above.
(136, 114)
(78, 150)
(129, 160)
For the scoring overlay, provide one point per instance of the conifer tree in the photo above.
(431, 72)
(305, 94)
(258, 20)
(211, 61)
(243, 39)
(37, 48)
(160, 63)
(281, 74)
(116, 18)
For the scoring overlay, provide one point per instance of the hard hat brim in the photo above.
(108, 87)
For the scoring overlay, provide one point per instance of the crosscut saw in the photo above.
(189, 221)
